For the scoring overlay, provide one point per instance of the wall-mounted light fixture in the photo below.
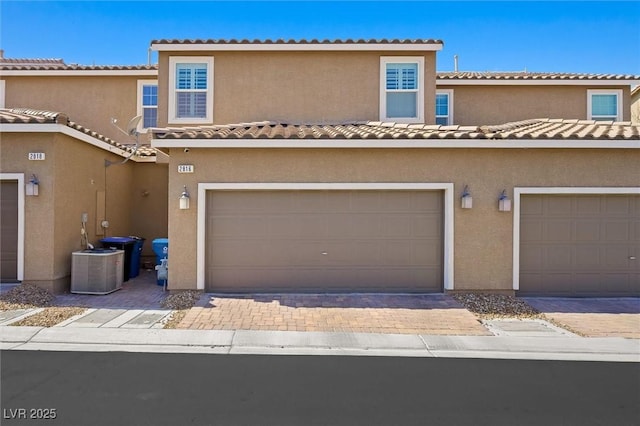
(184, 199)
(32, 186)
(504, 203)
(467, 199)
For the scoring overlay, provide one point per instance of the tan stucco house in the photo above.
(121, 190)
(354, 166)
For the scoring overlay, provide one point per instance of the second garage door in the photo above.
(580, 245)
(303, 241)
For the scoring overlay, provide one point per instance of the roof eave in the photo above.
(291, 47)
(399, 143)
(534, 82)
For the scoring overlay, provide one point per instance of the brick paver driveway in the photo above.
(593, 317)
(365, 313)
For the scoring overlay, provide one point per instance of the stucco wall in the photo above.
(39, 215)
(89, 101)
(483, 235)
(296, 86)
(76, 189)
(148, 194)
(477, 105)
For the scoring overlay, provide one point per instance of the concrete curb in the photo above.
(318, 343)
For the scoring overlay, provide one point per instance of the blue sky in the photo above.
(573, 36)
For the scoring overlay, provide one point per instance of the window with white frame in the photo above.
(604, 105)
(190, 89)
(444, 107)
(148, 103)
(401, 89)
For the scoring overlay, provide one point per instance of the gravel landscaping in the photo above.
(25, 296)
(180, 303)
(491, 306)
(50, 317)
(28, 296)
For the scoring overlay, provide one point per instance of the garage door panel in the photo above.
(324, 240)
(532, 256)
(245, 226)
(585, 246)
(616, 257)
(396, 226)
(590, 282)
(589, 206)
(533, 231)
(617, 206)
(558, 257)
(617, 231)
(557, 230)
(558, 206)
(430, 255)
(587, 256)
(532, 206)
(425, 202)
(587, 230)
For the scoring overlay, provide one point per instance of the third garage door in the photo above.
(580, 245)
(329, 240)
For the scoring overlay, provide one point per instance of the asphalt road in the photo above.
(115, 388)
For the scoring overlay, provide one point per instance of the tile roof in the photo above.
(32, 116)
(297, 42)
(526, 75)
(45, 66)
(537, 129)
(32, 62)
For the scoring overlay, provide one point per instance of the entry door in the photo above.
(8, 231)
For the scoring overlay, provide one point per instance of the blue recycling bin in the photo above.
(128, 245)
(161, 249)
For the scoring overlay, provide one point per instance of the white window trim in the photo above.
(311, 186)
(449, 93)
(518, 192)
(617, 92)
(140, 111)
(173, 61)
(2, 92)
(19, 177)
(384, 60)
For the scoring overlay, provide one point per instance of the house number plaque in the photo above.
(36, 156)
(185, 168)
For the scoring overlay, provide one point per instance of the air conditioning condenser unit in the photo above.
(99, 271)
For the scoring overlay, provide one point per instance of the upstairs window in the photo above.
(148, 103)
(604, 105)
(190, 89)
(401, 89)
(444, 107)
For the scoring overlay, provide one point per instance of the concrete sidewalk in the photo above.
(556, 347)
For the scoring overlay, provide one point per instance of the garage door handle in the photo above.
(632, 258)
